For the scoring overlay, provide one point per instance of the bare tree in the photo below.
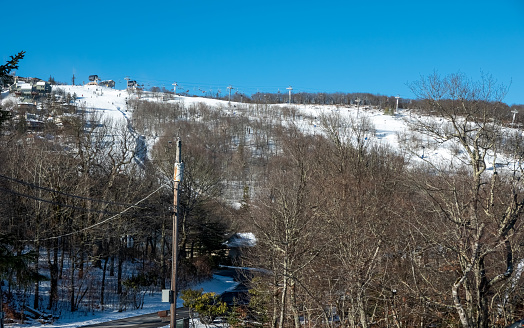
(290, 228)
(479, 204)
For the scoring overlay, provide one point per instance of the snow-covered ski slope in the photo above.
(391, 131)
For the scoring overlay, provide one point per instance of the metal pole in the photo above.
(229, 87)
(177, 178)
(175, 84)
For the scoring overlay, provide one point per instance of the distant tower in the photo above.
(515, 112)
(396, 109)
(289, 88)
(175, 85)
(229, 88)
(358, 100)
(127, 81)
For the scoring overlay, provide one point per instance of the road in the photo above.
(151, 320)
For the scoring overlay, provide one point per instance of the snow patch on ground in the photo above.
(152, 304)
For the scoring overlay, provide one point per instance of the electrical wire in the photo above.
(62, 193)
(53, 202)
(101, 222)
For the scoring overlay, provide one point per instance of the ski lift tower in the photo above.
(175, 85)
(515, 112)
(289, 88)
(229, 88)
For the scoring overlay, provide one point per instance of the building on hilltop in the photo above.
(30, 88)
(95, 80)
(107, 83)
(132, 84)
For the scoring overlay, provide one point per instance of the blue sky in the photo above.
(314, 46)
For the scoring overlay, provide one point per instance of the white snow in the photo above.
(242, 239)
(152, 304)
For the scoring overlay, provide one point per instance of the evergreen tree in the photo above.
(13, 262)
(6, 79)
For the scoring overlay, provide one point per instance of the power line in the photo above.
(101, 222)
(62, 193)
(53, 202)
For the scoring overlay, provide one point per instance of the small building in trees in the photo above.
(237, 242)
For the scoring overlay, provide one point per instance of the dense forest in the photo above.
(349, 233)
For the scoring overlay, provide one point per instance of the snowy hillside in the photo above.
(112, 103)
(392, 131)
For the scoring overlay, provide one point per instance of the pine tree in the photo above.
(6, 79)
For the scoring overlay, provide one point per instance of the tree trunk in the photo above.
(102, 287)
(163, 256)
(72, 286)
(62, 257)
(112, 267)
(362, 310)
(119, 276)
(37, 283)
(53, 272)
(275, 303)
(81, 265)
(293, 302)
(459, 307)
(482, 289)
(283, 297)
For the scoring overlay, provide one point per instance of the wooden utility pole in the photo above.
(177, 178)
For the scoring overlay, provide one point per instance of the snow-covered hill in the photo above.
(391, 131)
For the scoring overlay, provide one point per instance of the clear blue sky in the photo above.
(325, 46)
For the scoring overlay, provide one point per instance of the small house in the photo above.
(42, 87)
